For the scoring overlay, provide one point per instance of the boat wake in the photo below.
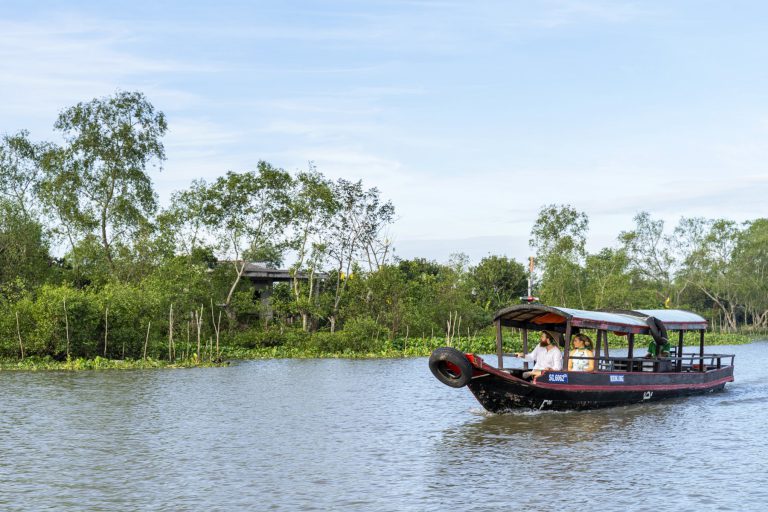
(517, 412)
(747, 392)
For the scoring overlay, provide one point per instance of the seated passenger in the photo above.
(546, 356)
(582, 347)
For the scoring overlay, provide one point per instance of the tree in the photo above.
(23, 248)
(183, 220)
(559, 238)
(651, 253)
(248, 214)
(59, 194)
(708, 268)
(109, 144)
(749, 268)
(312, 208)
(498, 282)
(355, 226)
(20, 173)
(609, 283)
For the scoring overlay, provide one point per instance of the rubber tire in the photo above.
(658, 330)
(437, 364)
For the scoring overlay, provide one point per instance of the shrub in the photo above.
(256, 337)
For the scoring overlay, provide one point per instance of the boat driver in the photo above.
(661, 353)
(546, 356)
(655, 350)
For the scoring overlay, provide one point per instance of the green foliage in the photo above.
(498, 282)
(559, 238)
(109, 144)
(256, 338)
(362, 334)
(19, 173)
(56, 311)
(23, 248)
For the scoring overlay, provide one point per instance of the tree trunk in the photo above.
(240, 269)
(104, 241)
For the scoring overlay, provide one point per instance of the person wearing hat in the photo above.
(546, 356)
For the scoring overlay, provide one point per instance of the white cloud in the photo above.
(56, 62)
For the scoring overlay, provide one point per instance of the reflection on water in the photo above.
(364, 435)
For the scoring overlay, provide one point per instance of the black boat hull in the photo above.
(498, 391)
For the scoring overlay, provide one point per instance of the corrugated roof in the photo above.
(539, 316)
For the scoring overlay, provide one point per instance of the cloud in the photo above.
(55, 62)
(570, 12)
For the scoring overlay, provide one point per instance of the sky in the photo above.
(469, 116)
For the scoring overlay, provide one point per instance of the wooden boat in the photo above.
(614, 381)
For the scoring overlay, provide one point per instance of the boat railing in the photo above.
(691, 362)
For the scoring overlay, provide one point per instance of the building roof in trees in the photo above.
(258, 271)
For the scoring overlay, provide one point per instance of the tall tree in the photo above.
(110, 142)
(708, 268)
(356, 225)
(312, 208)
(23, 248)
(184, 220)
(498, 282)
(651, 253)
(248, 214)
(20, 173)
(609, 282)
(559, 237)
(749, 267)
(61, 201)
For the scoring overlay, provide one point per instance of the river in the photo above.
(366, 435)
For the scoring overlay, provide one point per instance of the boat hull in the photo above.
(498, 391)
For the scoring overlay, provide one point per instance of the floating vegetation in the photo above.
(98, 363)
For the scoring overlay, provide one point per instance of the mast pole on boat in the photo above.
(530, 274)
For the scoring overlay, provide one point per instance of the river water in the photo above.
(366, 435)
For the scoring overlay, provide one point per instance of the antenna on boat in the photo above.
(529, 298)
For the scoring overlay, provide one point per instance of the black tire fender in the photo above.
(451, 367)
(658, 330)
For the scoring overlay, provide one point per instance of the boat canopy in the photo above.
(673, 319)
(539, 317)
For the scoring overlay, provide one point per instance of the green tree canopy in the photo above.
(109, 144)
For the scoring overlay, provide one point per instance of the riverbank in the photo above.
(307, 348)
(98, 363)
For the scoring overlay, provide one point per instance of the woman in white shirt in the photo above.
(582, 347)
